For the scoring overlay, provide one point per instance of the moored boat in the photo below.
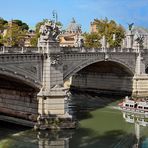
(135, 105)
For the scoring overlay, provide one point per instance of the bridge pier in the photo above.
(45, 67)
(140, 79)
(52, 98)
(140, 85)
(54, 140)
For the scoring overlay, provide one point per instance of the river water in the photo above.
(100, 126)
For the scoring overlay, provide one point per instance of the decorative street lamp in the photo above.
(55, 15)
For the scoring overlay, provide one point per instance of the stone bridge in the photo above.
(32, 79)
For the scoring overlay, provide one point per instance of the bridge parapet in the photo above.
(10, 50)
(96, 50)
(24, 50)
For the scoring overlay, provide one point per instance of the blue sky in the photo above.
(84, 11)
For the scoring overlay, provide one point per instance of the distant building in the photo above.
(93, 27)
(28, 37)
(72, 36)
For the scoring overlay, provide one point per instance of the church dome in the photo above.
(73, 27)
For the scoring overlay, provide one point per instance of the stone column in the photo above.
(140, 79)
(129, 39)
(103, 42)
(140, 65)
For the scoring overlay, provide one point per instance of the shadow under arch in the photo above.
(10, 82)
(18, 98)
(9, 74)
(146, 69)
(105, 77)
(86, 63)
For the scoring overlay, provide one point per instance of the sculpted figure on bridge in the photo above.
(130, 26)
(79, 42)
(49, 32)
(140, 40)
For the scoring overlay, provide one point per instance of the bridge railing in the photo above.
(13, 50)
(10, 50)
(94, 50)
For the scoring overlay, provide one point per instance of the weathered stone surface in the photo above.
(38, 77)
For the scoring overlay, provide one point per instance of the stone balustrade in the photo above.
(10, 50)
(96, 50)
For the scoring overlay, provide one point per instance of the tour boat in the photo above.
(135, 105)
(135, 118)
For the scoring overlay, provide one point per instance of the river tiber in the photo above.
(73, 89)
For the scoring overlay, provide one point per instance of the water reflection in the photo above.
(105, 127)
(54, 139)
(139, 121)
(16, 136)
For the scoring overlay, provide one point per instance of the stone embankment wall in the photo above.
(103, 82)
(18, 103)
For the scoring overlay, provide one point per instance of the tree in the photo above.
(15, 36)
(23, 25)
(3, 24)
(34, 40)
(92, 40)
(1, 40)
(108, 29)
(12, 33)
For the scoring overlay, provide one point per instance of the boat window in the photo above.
(131, 105)
(126, 104)
(140, 107)
(145, 107)
(135, 105)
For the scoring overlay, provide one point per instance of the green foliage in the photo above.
(92, 40)
(3, 24)
(59, 24)
(34, 41)
(108, 29)
(24, 26)
(3, 21)
(1, 40)
(14, 36)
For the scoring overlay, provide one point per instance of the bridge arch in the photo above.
(20, 78)
(88, 62)
(18, 95)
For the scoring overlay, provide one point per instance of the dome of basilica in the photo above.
(73, 27)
